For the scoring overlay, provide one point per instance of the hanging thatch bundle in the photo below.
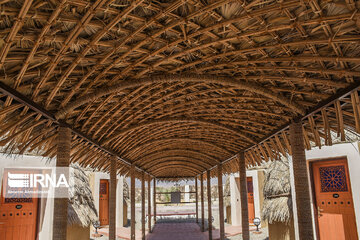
(81, 210)
(227, 197)
(126, 192)
(277, 192)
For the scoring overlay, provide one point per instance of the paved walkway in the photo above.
(122, 233)
(176, 231)
(189, 231)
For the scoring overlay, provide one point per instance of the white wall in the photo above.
(235, 202)
(235, 197)
(351, 152)
(6, 161)
(119, 195)
(187, 194)
(348, 150)
(45, 233)
(120, 201)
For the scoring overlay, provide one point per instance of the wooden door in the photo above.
(104, 202)
(334, 203)
(250, 189)
(251, 208)
(18, 215)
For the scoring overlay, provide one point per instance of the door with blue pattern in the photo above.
(334, 202)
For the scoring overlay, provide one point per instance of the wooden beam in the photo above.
(327, 130)
(356, 108)
(340, 119)
(243, 197)
(19, 97)
(196, 200)
(112, 200)
(60, 217)
(143, 205)
(154, 200)
(221, 203)
(208, 180)
(132, 201)
(149, 205)
(188, 78)
(327, 102)
(301, 183)
(175, 177)
(202, 202)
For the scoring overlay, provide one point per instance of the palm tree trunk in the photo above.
(202, 203)
(209, 203)
(301, 182)
(243, 197)
(61, 204)
(112, 200)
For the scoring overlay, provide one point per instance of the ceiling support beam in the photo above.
(39, 109)
(19, 97)
(340, 94)
(327, 102)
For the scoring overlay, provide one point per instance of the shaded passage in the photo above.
(177, 231)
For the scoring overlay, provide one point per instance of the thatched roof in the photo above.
(277, 206)
(81, 210)
(175, 86)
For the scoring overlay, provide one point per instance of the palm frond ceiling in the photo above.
(176, 87)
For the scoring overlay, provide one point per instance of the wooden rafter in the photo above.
(170, 80)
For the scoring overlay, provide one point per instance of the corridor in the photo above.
(177, 231)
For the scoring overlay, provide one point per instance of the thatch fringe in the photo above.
(81, 210)
(277, 206)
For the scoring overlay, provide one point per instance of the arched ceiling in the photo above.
(174, 87)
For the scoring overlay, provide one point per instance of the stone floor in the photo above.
(261, 235)
(190, 229)
(121, 233)
(176, 231)
(180, 229)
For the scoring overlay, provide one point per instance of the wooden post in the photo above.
(154, 200)
(61, 203)
(112, 200)
(243, 197)
(132, 201)
(221, 203)
(301, 182)
(202, 202)
(196, 201)
(143, 205)
(209, 203)
(149, 205)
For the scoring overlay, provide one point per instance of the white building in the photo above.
(333, 173)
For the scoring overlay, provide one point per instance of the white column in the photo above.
(120, 202)
(187, 194)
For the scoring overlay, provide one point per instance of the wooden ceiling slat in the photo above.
(123, 76)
